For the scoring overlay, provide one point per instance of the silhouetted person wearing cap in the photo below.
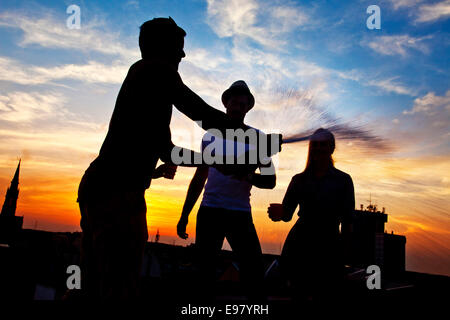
(312, 256)
(111, 192)
(225, 210)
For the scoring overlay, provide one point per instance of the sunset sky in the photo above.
(300, 59)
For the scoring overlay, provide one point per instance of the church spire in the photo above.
(12, 194)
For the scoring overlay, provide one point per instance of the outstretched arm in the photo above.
(178, 156)
(189, 103)
(194, 191)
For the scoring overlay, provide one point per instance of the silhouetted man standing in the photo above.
(225, 211)
(111, 192)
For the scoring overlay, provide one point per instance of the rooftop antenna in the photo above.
(371, 207)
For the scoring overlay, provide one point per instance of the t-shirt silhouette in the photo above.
(224, 191)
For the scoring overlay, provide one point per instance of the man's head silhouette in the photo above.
(238, 100)
(163, 39)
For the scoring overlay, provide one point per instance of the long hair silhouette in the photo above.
(320, 135)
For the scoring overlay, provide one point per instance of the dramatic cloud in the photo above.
(260, 22)
(389, 85)
(434, 11)
(398, 44)
(26, 107)
(92, 72)
(424, 12)
(47, 31)
(204, 59)
(431, 104)
(404, 3)
(40, 127)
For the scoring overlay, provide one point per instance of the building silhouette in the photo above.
(371, 245)
(10, 224)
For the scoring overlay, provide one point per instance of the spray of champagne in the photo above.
(298, 114)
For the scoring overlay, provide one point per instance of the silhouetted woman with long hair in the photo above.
(312, 256)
